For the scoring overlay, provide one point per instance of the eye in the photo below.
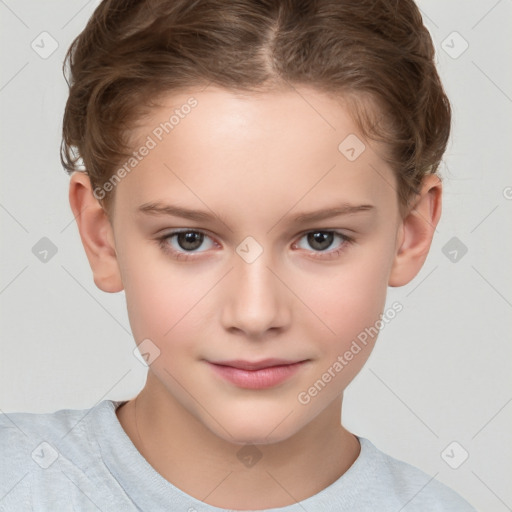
(182, 243)
(321, 241)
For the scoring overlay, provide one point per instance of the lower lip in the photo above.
(257, 379)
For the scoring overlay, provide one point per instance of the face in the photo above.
(287, 255)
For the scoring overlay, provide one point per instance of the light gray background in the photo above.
(441, 370)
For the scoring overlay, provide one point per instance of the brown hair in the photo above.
(134, 51)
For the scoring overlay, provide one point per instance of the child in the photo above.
(256, 175)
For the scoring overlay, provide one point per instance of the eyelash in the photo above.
(184, 256)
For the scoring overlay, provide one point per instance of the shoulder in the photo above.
(413, 489)
(41, 453)
(24, 436)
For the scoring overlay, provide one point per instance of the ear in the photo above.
(416, 232)
(96, 233)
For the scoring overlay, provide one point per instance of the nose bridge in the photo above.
(256, 300)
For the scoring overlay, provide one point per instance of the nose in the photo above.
(256, 301)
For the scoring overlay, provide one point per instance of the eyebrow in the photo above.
(156, 208)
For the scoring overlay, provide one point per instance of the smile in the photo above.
(256, 375)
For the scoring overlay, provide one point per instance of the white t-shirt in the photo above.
(82, 460)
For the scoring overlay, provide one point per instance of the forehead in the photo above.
(232, 148)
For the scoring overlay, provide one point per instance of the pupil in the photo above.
(190, 240)
(322, 238)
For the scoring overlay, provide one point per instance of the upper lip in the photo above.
(256, 365)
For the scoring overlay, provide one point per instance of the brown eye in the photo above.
(320, 240)
(189, 240)
(185, 243)
(322, 243)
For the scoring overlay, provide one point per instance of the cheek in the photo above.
(166, 304)
(156, 304)
(170, 303)
(349, 300)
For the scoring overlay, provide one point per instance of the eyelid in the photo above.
(324, 255)
(329, 253)
(163, 243)
(177, 231)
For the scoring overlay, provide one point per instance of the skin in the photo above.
(255, 161)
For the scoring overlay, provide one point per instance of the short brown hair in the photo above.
(133, 51)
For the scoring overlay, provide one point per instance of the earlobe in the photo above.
(417, 231)
(95, 232)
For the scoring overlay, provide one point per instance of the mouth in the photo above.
(262, 374)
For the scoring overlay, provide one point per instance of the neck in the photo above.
(230, 475)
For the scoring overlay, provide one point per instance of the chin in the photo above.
(255, 436)
(257, 429)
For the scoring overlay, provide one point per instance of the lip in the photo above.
(262, 374)
(255, 365)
